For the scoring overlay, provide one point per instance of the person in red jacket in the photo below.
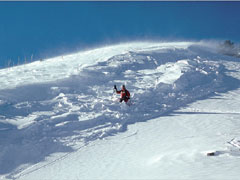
(125, 95)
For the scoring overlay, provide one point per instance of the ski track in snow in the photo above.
(61, 106)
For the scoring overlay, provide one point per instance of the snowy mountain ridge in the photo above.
(62, 104)
(68, 65)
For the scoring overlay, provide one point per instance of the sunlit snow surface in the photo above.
(59, 118)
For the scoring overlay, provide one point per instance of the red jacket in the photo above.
(124, 94)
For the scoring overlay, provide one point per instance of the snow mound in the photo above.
(66, 102)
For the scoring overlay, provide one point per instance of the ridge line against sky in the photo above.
(44, 29)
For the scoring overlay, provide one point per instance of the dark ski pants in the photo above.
(125, 99)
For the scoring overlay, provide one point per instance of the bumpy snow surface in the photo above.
(59, 118)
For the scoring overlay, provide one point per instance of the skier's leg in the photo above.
(126, 99)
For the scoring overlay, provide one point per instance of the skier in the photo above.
(125, 95)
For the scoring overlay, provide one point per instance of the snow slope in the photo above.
(60, 117)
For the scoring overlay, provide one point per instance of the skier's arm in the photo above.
(115, 87)
(118, 92)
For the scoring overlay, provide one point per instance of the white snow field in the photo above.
(59, 118)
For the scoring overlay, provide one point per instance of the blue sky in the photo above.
(47, 29)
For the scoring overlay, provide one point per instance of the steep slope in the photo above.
(63, 104)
